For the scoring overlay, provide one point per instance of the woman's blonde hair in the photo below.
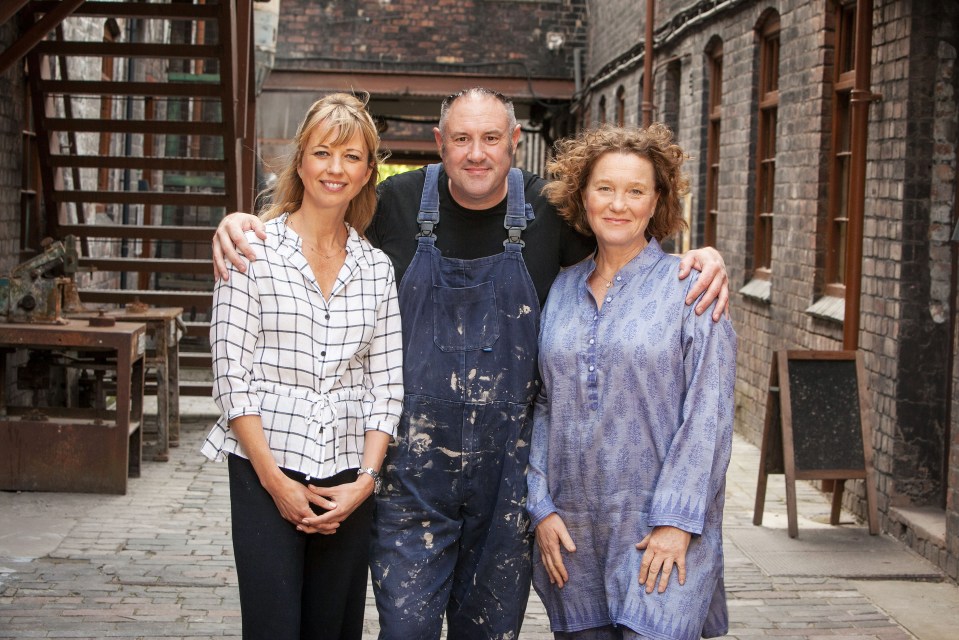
(342, 115)
(575, 158)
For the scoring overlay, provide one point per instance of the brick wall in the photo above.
(907, 281)
(402, 35)
(11, 105)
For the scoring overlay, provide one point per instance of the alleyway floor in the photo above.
(157, 563)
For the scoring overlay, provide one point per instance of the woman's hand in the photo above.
(229, 239)
(713, 280)
(663, 548)
(344, 498)
(551, 536)
(293, 500)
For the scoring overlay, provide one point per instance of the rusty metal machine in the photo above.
(72, 421)
(40, 289)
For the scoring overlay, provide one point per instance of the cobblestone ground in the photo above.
(157, 563)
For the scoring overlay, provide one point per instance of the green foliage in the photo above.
(389, 169)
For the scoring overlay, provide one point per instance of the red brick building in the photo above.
(764, 97)
(409, 55)
(830, 245)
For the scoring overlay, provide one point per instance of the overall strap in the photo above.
(517, 210)
(429, 214)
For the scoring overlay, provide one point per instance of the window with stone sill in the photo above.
(620, 106)
(758, 290)
(715, 114)
(840, 153)
(765, 172)
(829, 308)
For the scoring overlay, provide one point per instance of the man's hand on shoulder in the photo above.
(229, 242)
(714, 280)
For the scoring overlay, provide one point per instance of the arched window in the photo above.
(840, 153)
(620, 106)
(768, 107)
(714, 75)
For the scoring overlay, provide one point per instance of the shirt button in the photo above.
(327, 316)
(322, 353)
(609, 299)
(591, 341)
(591, 367)
(619, 278)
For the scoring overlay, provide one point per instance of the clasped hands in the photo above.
(663, 548)
(294, 499)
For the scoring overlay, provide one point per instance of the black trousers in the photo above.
(295, 585)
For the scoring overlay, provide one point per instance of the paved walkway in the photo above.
(156, 563)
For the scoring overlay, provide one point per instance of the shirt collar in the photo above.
(289, 243)
(643, 262)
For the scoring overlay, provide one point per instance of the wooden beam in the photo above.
(208, 165)
(128, 49)
(430, 86)
(143, 197)
(153, 127)
(10, 8)
(37, 32)
(134, 232)
(119, 88)
(162, 298)
(168, 11)
(152, 265)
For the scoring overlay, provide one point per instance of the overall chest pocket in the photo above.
(465, 318)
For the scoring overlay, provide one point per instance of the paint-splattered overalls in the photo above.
(450, 529)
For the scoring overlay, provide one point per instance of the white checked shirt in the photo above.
(319, 374)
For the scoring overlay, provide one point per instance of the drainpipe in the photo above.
(578, 70)
(859, 101)
(128, 148)
(951, 349)
(648, 64)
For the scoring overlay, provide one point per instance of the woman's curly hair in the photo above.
(575, 158)
(342, 115)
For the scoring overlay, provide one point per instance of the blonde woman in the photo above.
(308, 375)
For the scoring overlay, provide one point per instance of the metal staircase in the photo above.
(143, 159)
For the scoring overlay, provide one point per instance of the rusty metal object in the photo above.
(71, 297)
(34, 291)
(90, 448)
(136, 306)
(102, 320)
(35, 374)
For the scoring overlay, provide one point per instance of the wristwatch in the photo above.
(371, 473)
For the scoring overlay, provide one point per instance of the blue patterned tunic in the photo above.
(633, 430)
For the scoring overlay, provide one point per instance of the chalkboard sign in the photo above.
(817, 428)
(826, 424)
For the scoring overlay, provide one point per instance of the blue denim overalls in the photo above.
(451, 530)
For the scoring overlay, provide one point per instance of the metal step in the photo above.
(179, 298)
(144, 197)
(174, 11)
(196, 360)
(203, 88)
(197, 329)
(127, 49)
(150, 265)
(139, 231)
(147, 127)
(196, 388)
(207, 165)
